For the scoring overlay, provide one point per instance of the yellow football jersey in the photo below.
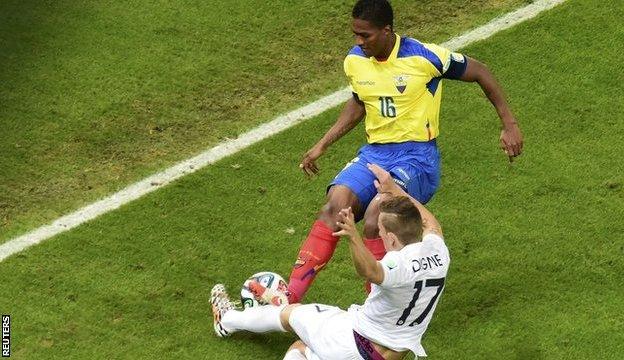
(402, 94)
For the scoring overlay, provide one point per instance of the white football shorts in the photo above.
(326, 330)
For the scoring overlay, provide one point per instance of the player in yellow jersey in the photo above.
(397, 89)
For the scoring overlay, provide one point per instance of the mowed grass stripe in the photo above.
(536, 251)
(96, 96)
(229, 147)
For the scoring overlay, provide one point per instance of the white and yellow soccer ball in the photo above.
(276, 290)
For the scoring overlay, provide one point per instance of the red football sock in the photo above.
(315, 252)
(376, 247)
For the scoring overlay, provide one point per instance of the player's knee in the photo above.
(339, 197)
(371, 230)
(285, 316)
(298, 345)
(296, 351)
(325, 215)
(329, 212)
(331, 208)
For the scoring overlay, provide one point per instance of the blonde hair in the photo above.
(402, 218)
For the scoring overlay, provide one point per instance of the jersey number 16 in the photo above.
(387, 106)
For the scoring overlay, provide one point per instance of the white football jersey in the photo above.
(397, 312)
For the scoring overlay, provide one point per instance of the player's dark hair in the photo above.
(378, 12)
(401, 217)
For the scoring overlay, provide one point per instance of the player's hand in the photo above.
(385, 184)
(511, 141)
(346, 223)
(308, 163)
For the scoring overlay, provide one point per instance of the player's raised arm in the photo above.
(511, 137)
(352, 113)
(365, 264)
(386, 186)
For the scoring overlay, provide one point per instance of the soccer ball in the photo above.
(270, 280)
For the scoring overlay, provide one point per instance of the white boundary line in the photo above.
(253, 136)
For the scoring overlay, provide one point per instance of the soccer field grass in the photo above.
(97, 95)
(537, 247)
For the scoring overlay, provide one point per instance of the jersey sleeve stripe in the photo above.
(356, 50)
(456, 68)
(432, 85)
(410, 47)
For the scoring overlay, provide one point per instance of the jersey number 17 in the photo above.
(439, 283)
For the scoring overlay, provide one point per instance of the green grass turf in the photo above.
(536, 247)
(96, 95)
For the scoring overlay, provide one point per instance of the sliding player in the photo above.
(407, 282)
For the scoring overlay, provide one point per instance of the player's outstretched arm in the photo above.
(365, 264)
(352, 113)
(511, 141)
(387, 187)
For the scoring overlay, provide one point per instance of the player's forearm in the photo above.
(478, 72)
(430, 223)
(495, 94)
(351, 115)
(365, 264)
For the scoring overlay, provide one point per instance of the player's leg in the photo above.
(353, 187)
(326, 331)
(318, 247)
(372, 241)
(338, 197)
(371, 231)
(258, 319)
(296, 351)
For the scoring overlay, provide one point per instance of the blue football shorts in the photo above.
(415, 166)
